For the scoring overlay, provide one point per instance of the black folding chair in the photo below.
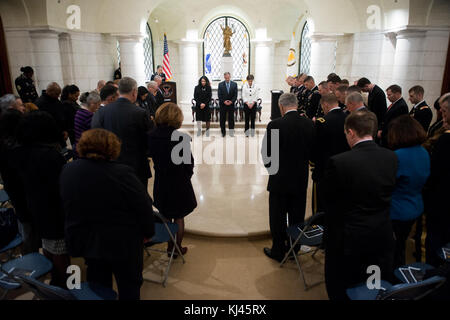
(308, 233)
(165, 231)
(404, 291)
(87, 291)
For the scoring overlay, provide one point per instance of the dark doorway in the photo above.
(5, 75)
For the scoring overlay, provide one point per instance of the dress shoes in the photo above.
(268, 252)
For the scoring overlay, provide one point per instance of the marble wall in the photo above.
(62, 56)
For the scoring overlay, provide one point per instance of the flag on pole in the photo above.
(292, 67)
(166, 61)
(208, 66)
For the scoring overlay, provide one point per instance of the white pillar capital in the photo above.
(325, 37)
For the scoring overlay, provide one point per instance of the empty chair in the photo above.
(404, 291)
(33, 265)
(87, 291)
(308, 233)
(165, 231)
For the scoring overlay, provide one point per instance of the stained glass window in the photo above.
(305, 51)
(148, 53)
(213, 49)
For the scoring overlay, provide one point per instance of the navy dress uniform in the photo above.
(302, 96)
(422, 113)
(312, 102)
(330, 141)
(26, 89)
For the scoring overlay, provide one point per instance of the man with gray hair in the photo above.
(159, 96)
(227, 92)
(152, 101)
(286, 151)
(10, 101)
(131, 125)
(355, 102)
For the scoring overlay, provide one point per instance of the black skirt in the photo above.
(204, 114)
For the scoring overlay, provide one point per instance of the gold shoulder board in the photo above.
(321, 120)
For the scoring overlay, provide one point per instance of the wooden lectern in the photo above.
(169, 90)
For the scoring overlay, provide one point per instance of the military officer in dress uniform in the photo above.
(25, 85)
(312, 98)
(330, 141)
(323, 90)
(420, 111)
(118, 73)
(302, 94)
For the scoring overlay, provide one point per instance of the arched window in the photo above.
(148, 53)
(118, 51)
(213, 49)
(305, 51)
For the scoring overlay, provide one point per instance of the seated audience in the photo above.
(108, 214)
(405, 137)
(40, 163)
(172, 191)
(358, 185)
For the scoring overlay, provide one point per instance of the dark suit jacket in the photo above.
(108, 210)
(398, 108)
(377, 103)
(330, 140)
(159, 99)
(357, 186)
(131, 124)
(296, 140)
(224, 95)
(56, 109)
(173, 192)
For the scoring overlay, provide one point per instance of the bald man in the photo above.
(49, 101)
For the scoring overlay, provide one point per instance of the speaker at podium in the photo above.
(169, 91)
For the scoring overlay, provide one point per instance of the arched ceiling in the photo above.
(177, 16)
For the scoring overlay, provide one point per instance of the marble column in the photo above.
(188, 74)
(264, 61)
(420, 57)
(323, 55)
(132, 57)
(47, 57)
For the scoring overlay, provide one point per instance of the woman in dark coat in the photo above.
(40, 163)
(172, 192)
(202, 97)
(108, 213)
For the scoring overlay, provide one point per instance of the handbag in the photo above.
(8, 226)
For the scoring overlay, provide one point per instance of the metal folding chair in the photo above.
(308, 233)
(14, 243)
(88, 291)
(404, 291)
(33, 265)
(165, 231)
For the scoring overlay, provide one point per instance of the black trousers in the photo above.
(402, 229)
(250, 117)
(128, 275)
(280, 207)
(226, 112)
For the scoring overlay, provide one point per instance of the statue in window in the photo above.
(227, 34)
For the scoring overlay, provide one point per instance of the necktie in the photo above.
(390, 107)
(228, 87)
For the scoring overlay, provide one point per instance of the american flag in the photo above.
(166, 61)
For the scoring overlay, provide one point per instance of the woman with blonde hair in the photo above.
(172, 191)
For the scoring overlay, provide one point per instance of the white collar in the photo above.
(335, 108)
(362, 140)
(418, 103)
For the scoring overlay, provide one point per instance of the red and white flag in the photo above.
(166, 61)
